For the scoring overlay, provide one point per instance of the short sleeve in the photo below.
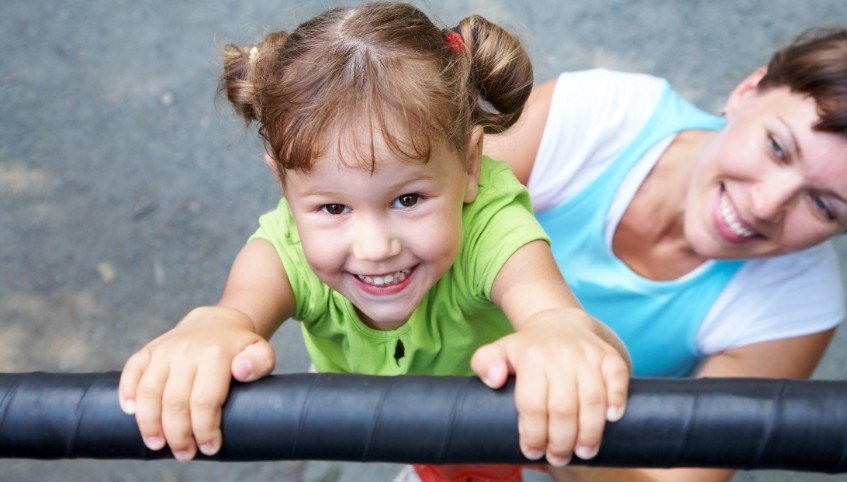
(310, 294)
(593, 115)
(774, 298)
(495, 225)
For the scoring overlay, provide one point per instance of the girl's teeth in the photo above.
(731, 220)
(385, 280)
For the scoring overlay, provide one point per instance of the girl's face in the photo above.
(767, 183)
(383, 238)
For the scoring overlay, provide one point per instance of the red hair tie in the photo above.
(455, 41)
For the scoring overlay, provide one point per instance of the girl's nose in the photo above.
(375, 241)
(772, 196)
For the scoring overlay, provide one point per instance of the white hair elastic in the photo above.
(253, 52)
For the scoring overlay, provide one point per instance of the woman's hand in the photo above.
(569, 382)
(177, 384)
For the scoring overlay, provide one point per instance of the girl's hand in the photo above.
(176, 385)
(569, 381)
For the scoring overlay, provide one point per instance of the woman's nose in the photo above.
(772, 196)
(374, 241)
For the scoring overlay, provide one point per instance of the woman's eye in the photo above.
(777, 149)
(334, 209)
(406, 200)
(821, 206)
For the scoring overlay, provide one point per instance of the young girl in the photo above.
(397, 245)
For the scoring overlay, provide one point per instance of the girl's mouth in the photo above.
(385, 280)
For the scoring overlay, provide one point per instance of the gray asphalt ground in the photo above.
(126, 189)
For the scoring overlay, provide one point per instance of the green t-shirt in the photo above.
(454, 318)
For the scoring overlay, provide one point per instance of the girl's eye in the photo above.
(334, 209)
(406, 201)
(821, 206)
(777, 149)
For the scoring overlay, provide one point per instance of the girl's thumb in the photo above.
(253, 362)
(491, 364)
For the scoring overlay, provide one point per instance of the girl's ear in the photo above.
(747, 87)
(473, 163)
(274, 167)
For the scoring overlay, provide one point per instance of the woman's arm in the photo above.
(518, 146)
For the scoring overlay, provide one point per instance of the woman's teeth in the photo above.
(731, 219)
(385, 280)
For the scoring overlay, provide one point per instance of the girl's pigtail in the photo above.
(500, 72)
(244, 70)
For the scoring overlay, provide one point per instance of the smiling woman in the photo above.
(701, 240)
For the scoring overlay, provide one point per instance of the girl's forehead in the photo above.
(360, 144)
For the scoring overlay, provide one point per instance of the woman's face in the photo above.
(767, 183)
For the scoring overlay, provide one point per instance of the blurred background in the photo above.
(126, 188)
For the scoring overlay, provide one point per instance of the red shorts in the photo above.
(473, 473)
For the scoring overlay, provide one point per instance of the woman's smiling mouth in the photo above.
(729, 224)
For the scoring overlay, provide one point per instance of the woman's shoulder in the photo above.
(603, 78)
(777, 297)
(593, 115)
(605, 98)
(819, 262)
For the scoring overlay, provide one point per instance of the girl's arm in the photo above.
(571, 371)
(786, 358)
(518, 145)
(177, 384)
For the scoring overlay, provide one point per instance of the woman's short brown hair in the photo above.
(381, 69)
(815, 64)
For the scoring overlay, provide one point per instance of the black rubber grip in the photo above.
(730, 423)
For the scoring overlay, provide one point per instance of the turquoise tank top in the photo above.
(657, 320)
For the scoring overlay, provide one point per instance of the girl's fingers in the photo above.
(592, 413)
(531, 403)
(561, 425)
(176, 413)
(207, 398)
(130, 376)
(148, 404)
(616, 376)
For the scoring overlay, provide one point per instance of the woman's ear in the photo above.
(747, 87)
(473, 163)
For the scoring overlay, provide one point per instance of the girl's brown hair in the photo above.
(381, 69)
(815, 64)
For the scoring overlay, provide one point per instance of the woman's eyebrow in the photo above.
(792, 137)
(799, 150)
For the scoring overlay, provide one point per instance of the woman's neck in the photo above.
(650, 237)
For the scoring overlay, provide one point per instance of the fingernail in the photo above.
(558, 461)
(585, 452)
(154, 443)
(534, 454)
(613, 414)
(210, 448)
(244, 369)
(128, 406)
(183, 455)
(488, 379)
